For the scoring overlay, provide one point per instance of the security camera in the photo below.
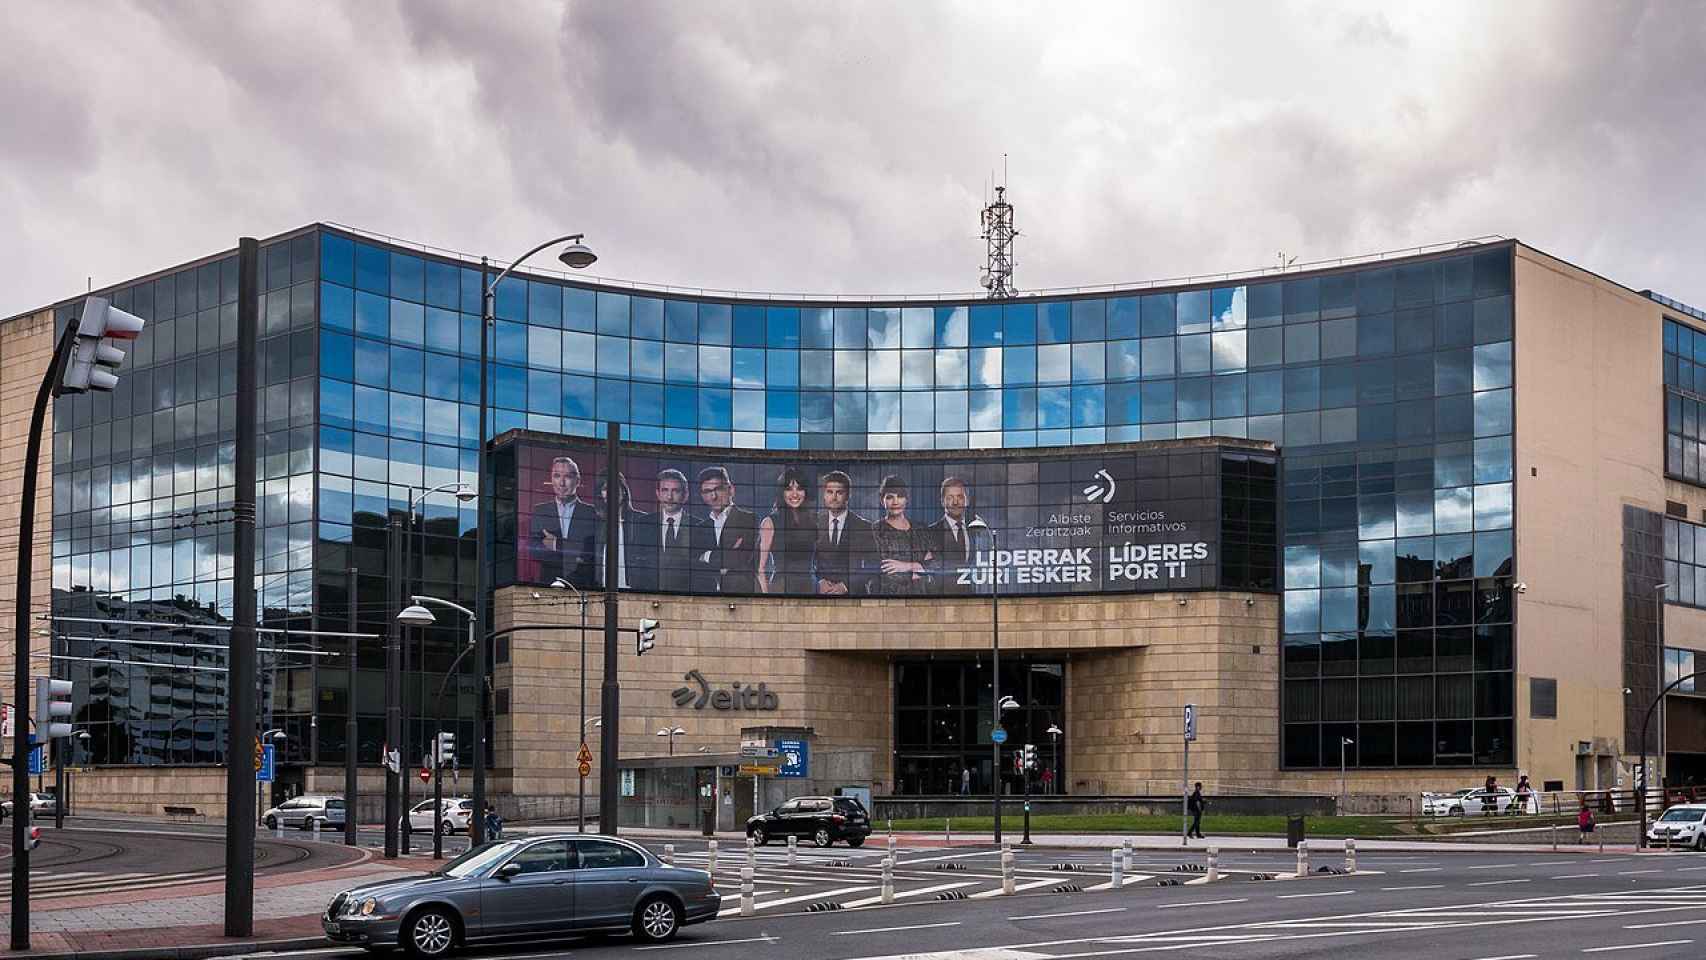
(1520, 587)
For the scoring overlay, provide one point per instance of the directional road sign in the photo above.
(998, 735)
(264, 772)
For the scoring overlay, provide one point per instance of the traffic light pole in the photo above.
(438, 794)
(610, 707)
(1026, 841)
(240, 685)
(21, 650)
(352, 817)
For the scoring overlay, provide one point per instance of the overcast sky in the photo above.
(846, 147)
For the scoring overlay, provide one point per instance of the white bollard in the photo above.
(891, 846)
(711, 856)
(751, 854)
(1125, 850)
(1303, 858)
(746, 908)
(1213, 872)
(1119, 874)
(793, 844)
(948, 832)
(316, 825)
(278, 831)
(1350, 855)
(1007, 884)
(888, 880)
(669, 854)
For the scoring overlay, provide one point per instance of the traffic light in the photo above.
(1030, 756)
(53, 708)
(446, 747)
(32, 837)
(92, 362)
(646, 638)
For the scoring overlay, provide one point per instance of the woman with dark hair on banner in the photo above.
(906, 549)
(788, 534)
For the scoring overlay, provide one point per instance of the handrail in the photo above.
(1255, 273)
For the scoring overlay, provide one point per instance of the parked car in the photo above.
(822, 820)
(305, 811)
(1680, 826)
(41, 803)
(454, 815)
(516, 889)
(1445, 804)
(1497, 800)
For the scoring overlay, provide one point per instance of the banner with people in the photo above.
(828, 524)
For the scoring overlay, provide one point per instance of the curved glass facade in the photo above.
(1388, 388)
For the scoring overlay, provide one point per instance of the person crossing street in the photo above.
(1195, 806)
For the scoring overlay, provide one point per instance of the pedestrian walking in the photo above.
(494, 826)
(1195, 806)
(965, 781)
(1584, 821)
(1048, 781)
(1524, 796)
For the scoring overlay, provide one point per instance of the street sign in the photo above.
(998, 735)
(766, 751)
(585, 768)
(585, 755)
(36, 761)
(258, 755)
(6, 721)
(264, 772)
(1190, 722)
(758, 770)
(796, 758)
(426, 775)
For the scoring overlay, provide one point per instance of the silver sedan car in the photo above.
(528, 888)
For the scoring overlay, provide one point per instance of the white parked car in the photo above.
(41, 803)
(305, 812)
(1444, 804)
(454, 816)
(1680, 826)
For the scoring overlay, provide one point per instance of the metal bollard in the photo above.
(1118, 880)
(1007, 885)
(1303, 858)
(1125, 850)
(793, 844)
(316, 825)
(948, 832)
(1596, 829)
(669, 854)
(278, 831)
(888, 880)
(1350, 855)
(751, 854)
(1554, 838)
(891, 826)
(891, 846)
(711, 856)
(746, 908)
(1213, 872)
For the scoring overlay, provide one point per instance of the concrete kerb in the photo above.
(197, 951)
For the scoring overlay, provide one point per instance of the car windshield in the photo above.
(334, 804)
(477, 859)
(1683, 816)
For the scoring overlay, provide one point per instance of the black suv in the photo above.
(822, 820)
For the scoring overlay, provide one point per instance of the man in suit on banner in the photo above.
(843, 539)
(676, 538)
(562, 532)
(731, 537)
(956, 546)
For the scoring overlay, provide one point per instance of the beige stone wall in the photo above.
(1132, 663)
(1589, 435)
(25, 346)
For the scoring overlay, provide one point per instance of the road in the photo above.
(1449, 905)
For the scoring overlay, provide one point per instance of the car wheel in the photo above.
(657, 919)
(759, 837)
(272, 823)
(821, 838)
(447, 828)
(1700, 842)
(430, 933)
(1454, 812)
(307, 824)
(855, 841)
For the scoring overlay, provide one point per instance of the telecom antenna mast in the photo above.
(998, 234)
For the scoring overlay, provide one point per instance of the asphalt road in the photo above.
(1449, 905)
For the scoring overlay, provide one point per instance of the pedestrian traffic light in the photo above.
(53, 708)
(446, 747)
(32, 838)
(92, 363)
(1030, 756)
(646, 638)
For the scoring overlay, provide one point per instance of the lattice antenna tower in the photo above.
(998, 234)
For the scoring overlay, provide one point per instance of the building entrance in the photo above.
(944, 712)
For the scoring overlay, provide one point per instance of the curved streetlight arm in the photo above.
(441, 488)
(445, 603)
(491, 288)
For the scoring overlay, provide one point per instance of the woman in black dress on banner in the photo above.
(906, 549)
(788, 535)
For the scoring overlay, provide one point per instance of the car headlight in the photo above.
(364, 908)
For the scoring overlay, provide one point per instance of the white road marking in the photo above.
(1513, 956)
(1630, 873)
(1419, 886)
(1689, 869)
(1490, 866)
(1198, 903)
(950, 856)
(1667, 923)
(1074, 913)
(915, 926)
(1017, 888)
(814, 896)
(1636, 946)
(1299, 896)
(1422, 870)
(705, 943)
(903, 894)
(1494, 883)
(1574, 876)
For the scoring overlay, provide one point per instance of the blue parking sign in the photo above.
(264, 774)
(36, 761)
(795, 757)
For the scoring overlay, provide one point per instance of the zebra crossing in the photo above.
(853, 878)
(57, 885)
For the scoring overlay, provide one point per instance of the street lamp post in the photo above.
(580, 782)
(671, 733)
(1054, 733)
(1343, 743)
(419, 616)
(575, 256)
(994, 669)
(1659, 761)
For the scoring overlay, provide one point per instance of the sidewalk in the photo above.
(188, 921)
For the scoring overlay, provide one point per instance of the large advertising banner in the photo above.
(908, 525)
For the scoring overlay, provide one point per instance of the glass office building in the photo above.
(1387, 386)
